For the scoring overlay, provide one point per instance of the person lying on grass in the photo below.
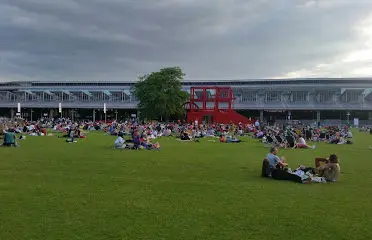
(229, 139)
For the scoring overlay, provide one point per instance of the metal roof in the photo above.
(196, 81)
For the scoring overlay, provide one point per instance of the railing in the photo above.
(245, 98)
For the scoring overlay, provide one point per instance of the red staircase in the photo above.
(213, 105)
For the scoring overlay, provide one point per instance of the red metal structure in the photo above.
(213, 105)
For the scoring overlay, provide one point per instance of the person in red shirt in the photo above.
(44, 131)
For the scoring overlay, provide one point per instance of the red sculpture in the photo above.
(213, 105)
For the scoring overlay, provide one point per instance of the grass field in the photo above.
(53, 190)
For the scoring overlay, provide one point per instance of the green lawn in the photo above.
(53, 190)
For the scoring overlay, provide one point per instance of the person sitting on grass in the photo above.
(78, 133)
(302, 143)
(277, 168)
(184, 136)
(119, 142)
(274, 161)
(69, 133)
(147, 144)
(136, 140)
(71, 136)
(43, 132)
(328, 168)
(9, 139)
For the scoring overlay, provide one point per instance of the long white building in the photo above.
(264, 95)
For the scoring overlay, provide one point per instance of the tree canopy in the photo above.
(160, 95)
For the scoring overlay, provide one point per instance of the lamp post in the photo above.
(19, 109)
(348, 117)
(60, 108)
(104, 111)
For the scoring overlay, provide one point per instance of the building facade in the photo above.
(265, 95)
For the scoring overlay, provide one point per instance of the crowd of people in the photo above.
(135, 135)
(299, 136)
(366, 129)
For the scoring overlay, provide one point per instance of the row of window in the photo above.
(62, 96)
(249, 96)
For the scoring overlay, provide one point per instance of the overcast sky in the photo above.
(209, 39)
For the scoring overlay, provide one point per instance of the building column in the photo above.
(12, 113)
(94, 115)
(261, 115)
(31, 111)
(51, 113)
(318, 118)
(369, 115)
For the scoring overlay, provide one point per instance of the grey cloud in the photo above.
(210, 39)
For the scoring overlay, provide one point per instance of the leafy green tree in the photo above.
(160, 95)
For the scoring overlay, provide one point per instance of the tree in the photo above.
(160, 95)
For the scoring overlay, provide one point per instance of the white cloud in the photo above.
(355, 61)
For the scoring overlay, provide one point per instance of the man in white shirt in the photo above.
(349, 134)
(302, 143)
(119, 142)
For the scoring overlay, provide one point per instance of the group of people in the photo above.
(24, 127)
(366, 129)
(137, 141)
(182, 131)
(325, 170)
(298, 136)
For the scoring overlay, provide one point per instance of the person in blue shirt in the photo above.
(275, 167)
(274, 160)
(9, 139)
